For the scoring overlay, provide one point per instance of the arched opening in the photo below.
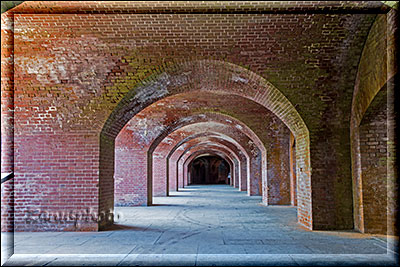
(209, 170)
(209, 148)
(234, 81)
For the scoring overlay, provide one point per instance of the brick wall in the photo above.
(7, 206)
(83, 70)
(373, 94)
(373, 152)
(7, 121)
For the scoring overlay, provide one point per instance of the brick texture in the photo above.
(80, 71)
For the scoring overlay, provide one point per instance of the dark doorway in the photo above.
(209, 170)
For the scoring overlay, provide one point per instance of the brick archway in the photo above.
(202, 75)
(198, 154)
(144, 176)
(217, 117)
(221, 141)
(202, 148)
(241, 157)
(164, 156)
(110, 118)
(253, 155)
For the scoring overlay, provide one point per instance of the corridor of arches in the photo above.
(208, 169)
(255, 126)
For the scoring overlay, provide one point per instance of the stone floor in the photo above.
(202, 225)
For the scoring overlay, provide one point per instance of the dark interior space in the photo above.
(209, 170)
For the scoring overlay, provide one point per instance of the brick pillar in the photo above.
(179, 173)
(171, 170)
(185, 175)
(236, 174)
(254, 184)
(160, 181)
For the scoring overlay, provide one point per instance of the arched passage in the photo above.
(249, 86)
(208, 169)
(174, 141)
(239, 177)
(162, 162)
(228, 148)
(196, 151)
(248, 140)
(237, 127)
(238, 155)
(275, 184)
(253, 155)
(129, 176)
(45, 116)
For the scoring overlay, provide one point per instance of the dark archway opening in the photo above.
(209, 170)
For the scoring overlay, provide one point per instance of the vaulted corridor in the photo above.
(179, 130)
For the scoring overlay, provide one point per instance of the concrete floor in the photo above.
(202, 225)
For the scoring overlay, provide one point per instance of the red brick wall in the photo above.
(7, 94)
(50, 168)
(7, 206)
(278, 174)
(83, 76)
(373, 152)
(7, 121)
(373, 84)
(130, 171)
(160, 181)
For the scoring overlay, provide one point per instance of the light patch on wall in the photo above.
(168, 140)
(153, 89)
(239, 79)
(145, 130)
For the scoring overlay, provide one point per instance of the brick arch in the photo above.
(165, 156)
(204, 117)
(171, 176)
(187, 153)
(198, 154)
(347, 47)
(232, 148)
(205, 75)
(152, 122)
(254, 153)
(195, 150)
(220, 118)
(218, 77)
(374, 90)
(126, 176)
